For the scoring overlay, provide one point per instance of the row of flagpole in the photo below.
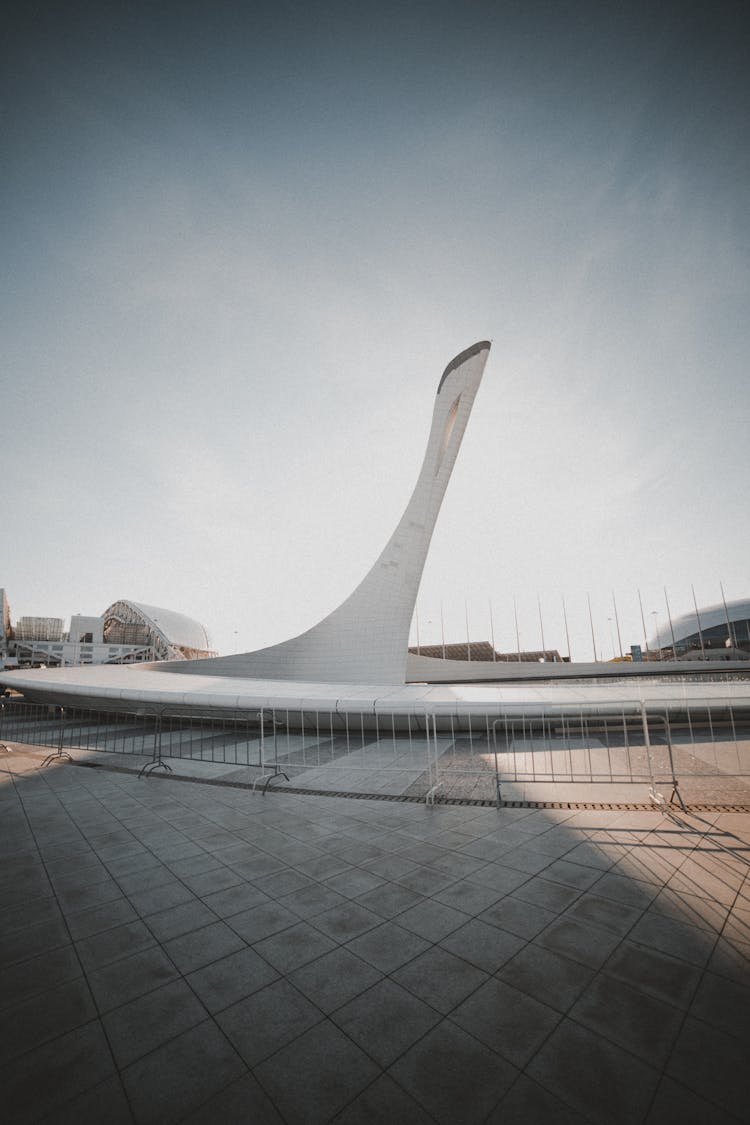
(660, 647)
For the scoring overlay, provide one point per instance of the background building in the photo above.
(484, 651)
(126, 633)
(715, 632)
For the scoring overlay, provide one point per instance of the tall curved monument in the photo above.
(366, 639)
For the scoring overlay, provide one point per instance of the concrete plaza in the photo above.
(179, 951)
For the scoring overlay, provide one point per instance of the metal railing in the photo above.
(570, 747)
(517, 754)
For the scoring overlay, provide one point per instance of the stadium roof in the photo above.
(174, 628)
(711, 616)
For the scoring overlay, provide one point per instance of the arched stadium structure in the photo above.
(127, 632)
(716, 631)
(172, 636)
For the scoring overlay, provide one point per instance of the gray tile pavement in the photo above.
(185, 952)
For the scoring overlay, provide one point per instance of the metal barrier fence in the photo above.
(521, 753)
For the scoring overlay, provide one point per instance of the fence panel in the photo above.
(517, 753)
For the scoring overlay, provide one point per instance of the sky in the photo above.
(240, 242)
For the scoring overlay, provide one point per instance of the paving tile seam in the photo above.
(52, 1117)
(709, 1026)
(176, 875)
(209, 1017)
(385, 1069)
(98, 1019)
(701, 1094)
(277, 1050)
(522, 1070)
(141, 995)
(139, 1057)
(161, 1046)
(621, 936)
(555, 1094)
(266, 1087)
(721, 850)
(688, 1014)
(658, 1071)
(686, 855)
(652, 948)
(340, 1113)
(620, 1046)
(718, 936)
(231, 1082)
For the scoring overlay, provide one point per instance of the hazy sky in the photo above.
(241, 241)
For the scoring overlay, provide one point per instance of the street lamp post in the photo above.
(643, 623)
(611, 638)
(591, 623)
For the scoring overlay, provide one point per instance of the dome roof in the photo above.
(175, 629)
(711, 616)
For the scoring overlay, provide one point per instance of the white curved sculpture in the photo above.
(366, 639)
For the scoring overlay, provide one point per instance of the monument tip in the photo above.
(467, 353)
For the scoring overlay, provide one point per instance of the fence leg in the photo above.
(59, 754)
(656, 797)
(432, 761)
(3, 748)
(157, 762)
(266, 778)
(675, 794)
(498, 794)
